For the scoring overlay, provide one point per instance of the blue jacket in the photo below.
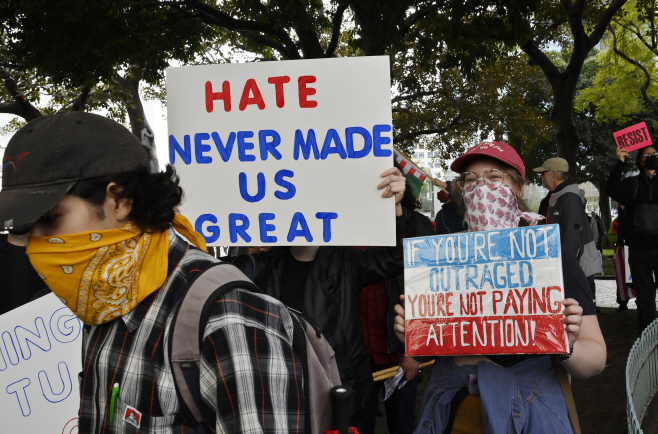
(523, 398)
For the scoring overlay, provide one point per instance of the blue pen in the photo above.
(115, 392)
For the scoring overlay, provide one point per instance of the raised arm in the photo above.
(618, 189)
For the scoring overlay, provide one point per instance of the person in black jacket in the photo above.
(324, 282)
(19, 283)
(449, 219)
(384, 348)
(639, 194)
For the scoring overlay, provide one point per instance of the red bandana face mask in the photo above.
(489, 209)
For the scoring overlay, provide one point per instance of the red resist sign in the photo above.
(633, 137)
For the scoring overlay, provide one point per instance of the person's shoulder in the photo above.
(243, 307)
(195, 259)
(571, 197)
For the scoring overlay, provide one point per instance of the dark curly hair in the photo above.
(153, 195)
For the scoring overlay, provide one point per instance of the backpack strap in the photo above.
(320, 373)
(187, 333)
(299, 348)
(563, 378)
(636, 186)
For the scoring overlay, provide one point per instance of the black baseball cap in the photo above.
(46, 157)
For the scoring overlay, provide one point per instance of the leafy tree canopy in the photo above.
(80, 42)
(624, 88)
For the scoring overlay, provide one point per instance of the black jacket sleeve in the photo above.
(382, 263)
(619, 189)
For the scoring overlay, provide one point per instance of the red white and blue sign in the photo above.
(478, 293)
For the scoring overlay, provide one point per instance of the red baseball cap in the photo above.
(499, 150)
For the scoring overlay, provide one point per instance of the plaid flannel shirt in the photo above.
(249, 374)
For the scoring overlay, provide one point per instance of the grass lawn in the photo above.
(608, 264)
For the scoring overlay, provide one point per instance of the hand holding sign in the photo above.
(573, 319)
(632, 138)
(393, 185)
(622, 154)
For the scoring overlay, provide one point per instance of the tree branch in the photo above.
(12, 66)
(308, 39)
(647, 76)
(415, 96)
(581, 46)
(337, 22)
(540, 59)
(222, 19)
(21, 106)
(411, 135)
(417, 16)
(80, 103)
(263, 40)
(641, 115)
(12, 108)
(637, 33)
(215, 17)
(604, 21)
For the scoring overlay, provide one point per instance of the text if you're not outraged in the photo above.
(494, 292)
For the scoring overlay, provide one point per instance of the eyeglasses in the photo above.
(493, 179)
(650, 154)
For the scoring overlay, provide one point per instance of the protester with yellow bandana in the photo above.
(103, 237)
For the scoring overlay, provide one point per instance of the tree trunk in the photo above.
(138, 123)
(368, 17)
(565, 127)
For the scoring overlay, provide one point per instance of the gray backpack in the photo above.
(317, 356)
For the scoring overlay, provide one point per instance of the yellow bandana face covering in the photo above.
(102, 275)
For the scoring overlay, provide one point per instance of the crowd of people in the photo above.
(92, 203)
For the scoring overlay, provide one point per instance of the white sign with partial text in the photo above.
(40, 358)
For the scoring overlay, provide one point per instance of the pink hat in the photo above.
(498, 150)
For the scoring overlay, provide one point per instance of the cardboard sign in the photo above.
(284, 153)
(40, 358)
(633, 137)
(495, 292)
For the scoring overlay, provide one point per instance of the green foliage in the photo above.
(81, 43)
(507, 101)
(616, 91)
(12, 126)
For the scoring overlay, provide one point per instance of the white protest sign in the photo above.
(284, 153)
(494, 292)
(40, 358)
